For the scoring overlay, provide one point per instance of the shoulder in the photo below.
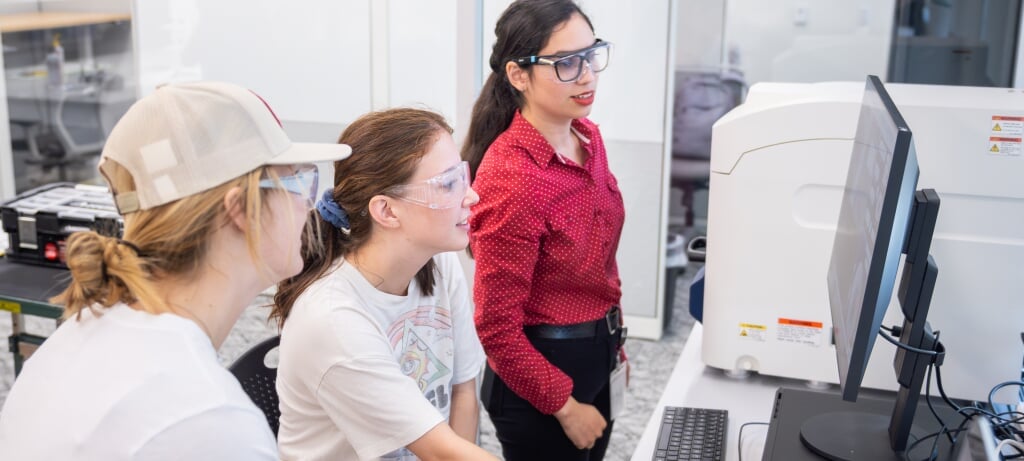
(222, 433)
(338, 292)
(507, 153)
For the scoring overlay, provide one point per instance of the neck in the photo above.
(556, 131)
(217, 293)
(388, 265)
(211, 299)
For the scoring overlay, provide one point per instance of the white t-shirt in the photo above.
(130, 385)
(363, 373)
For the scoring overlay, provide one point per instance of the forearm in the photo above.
(465, 413)
(442, 444)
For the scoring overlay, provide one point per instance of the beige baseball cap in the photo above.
(186, 138)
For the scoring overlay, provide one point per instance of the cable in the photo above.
(928, 400)
(942, 392)
(996, 388)
(906, 347)
(932, 454)
(739, 439)
(1013, 443)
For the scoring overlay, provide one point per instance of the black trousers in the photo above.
(529, 435)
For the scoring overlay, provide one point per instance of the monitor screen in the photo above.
(873, 224)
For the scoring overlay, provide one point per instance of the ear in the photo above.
(517, 76)
(233, 208)
(383, 212)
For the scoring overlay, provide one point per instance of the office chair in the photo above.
(701, 97)
(260, 381)
(75, 134)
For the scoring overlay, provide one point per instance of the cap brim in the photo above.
(308, 152)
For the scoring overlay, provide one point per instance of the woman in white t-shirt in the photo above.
(379, 355)
(214, 198)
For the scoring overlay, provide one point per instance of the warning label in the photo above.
(800, 332)
(1001, 145)
(1003, 125)
(1005, 135)
(753, 332)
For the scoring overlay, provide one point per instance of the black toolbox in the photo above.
(37, 222)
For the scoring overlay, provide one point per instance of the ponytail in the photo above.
(106, 271)
(320, 248)
(492, 114)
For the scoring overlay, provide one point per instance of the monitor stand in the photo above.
(796, 431)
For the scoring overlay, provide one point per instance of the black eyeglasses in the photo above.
(569, 68)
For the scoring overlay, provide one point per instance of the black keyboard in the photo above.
(691, 433)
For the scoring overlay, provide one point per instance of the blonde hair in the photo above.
(164, 241)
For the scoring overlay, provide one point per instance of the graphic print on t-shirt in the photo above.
(423, 345)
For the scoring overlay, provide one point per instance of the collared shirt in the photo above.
(544, 236)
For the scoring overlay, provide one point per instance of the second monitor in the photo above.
(881, 217)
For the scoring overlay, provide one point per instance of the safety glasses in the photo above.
(569, 67)
(446, 190)
(303, 182)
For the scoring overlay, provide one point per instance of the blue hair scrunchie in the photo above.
(331, 212)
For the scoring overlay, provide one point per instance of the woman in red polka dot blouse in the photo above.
(544, 236)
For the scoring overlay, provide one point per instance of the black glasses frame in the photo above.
(553, 60)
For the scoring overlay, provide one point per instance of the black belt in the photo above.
(608, 325)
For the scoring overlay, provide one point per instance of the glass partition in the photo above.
(69, 78)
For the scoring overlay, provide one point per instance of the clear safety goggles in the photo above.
(303, 182)
(569, 68)
(446, 190)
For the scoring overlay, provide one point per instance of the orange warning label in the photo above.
(799, 323)
(1005, 145)
(1009, 128)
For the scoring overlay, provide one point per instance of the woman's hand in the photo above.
(582, 423)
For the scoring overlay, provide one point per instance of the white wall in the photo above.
(6, 156)
(699, 33)
(309, 59)
(19, 6)
(422, 55)
(97, 6)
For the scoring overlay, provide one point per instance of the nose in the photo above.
(471, 198)
(586, 74)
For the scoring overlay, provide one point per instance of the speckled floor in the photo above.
(652, 363)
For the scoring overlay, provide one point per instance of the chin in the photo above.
(459, 243)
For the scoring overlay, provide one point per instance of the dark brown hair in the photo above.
(386, 148)
(522, 30)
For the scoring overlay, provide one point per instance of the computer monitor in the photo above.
(881, 217)
(874, 219)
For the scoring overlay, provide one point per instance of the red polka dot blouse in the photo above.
(544, 236)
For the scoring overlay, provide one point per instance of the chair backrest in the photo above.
(260, 381)
(701, 98)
